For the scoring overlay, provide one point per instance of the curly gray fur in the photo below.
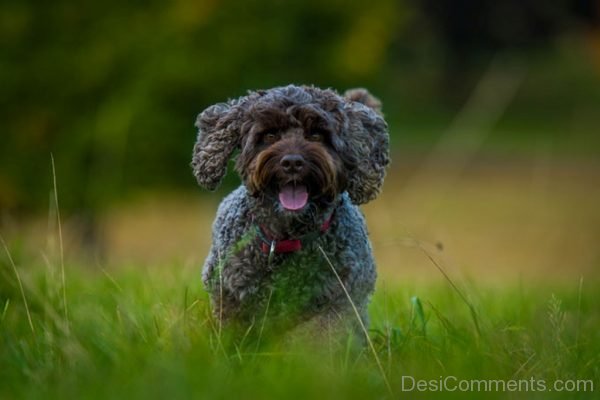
(296, 286)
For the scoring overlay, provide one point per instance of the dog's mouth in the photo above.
(293, 196)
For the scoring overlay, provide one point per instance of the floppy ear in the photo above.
(368, 141)
(218, 136)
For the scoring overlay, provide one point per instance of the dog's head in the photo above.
(297, 145)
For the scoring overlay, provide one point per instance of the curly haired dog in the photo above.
(307, 158)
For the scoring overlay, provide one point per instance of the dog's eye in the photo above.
(315, 136)
(270, 137)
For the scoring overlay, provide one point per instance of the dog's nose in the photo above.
(292, 163)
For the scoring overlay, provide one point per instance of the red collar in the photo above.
(267, 241)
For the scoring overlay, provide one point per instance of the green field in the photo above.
(519, 306)
(147, 333)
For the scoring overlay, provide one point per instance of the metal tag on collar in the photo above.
(271, 251)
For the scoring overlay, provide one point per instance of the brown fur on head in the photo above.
(342, 141)
(322, 173)
(298, 126)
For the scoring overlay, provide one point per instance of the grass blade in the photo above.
(360, 321)
(4, 310)
(472, 311)
(60, 242)
(12, 263)
(419, 313)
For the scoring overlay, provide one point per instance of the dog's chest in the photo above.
(296, 283)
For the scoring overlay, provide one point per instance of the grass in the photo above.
(148, 333)
(77, 330)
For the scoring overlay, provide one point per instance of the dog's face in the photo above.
(297, 145)
(289, 154)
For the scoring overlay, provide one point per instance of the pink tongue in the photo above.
(293, 197)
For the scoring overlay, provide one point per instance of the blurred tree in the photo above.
(113, 88)
(474, 31)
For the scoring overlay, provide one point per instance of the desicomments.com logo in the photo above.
(453, 384)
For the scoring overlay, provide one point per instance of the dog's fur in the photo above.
(343, 143)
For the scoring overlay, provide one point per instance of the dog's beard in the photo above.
(318, 184)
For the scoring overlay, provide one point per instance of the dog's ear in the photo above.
(218, 136)
(368, 142)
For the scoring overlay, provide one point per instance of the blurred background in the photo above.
(493, 108)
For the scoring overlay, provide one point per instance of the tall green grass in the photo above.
(140, 332)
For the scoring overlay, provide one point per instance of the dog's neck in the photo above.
(270, 215)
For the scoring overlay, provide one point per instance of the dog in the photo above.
(286, 240)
